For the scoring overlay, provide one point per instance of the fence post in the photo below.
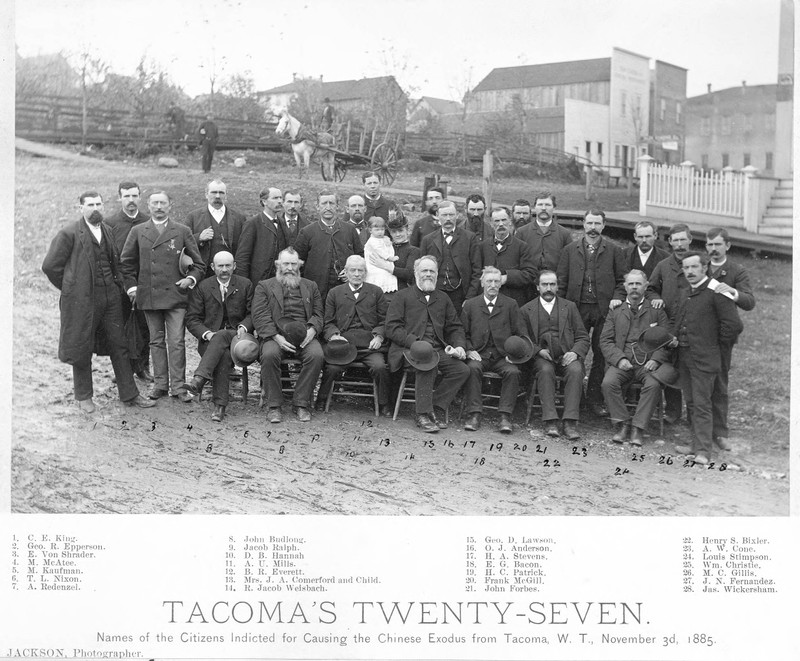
(488, 179)
(644, 167)
(687, 172)
(751, 199)
(587, 194)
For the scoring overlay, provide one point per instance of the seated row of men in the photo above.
(588, 272)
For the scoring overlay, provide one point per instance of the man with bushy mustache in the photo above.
(423, 314)
(288, 298)
(591, 273)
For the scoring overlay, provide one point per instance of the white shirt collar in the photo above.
(700, 284)
(98, 233)
(644, 256)
(547, 224)
(218, 214)
(486, 299)
(547, 306)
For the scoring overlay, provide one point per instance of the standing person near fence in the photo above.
(207, 136)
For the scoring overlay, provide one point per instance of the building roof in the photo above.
(442, 106)
(338, 90)
(733, 94)
(538, 75)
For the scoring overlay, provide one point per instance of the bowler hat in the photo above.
(359, 337)
(293, 331)
(244, 349)
(653, 338)
(519, 349)
(422, 356)
(185, 262)
(666, 375)
(339, 352)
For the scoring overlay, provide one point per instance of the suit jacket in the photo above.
(545, 248)
(341, 308)
(708, 321)
(486, 331)
(408, 316)
(618, 323)
(609, 272)
(70, 267)
(406, 254)
(208, 132)
(149, 261)
(632, 260)
(260, 244)
(515, 261)
(485, 232)
(201, 219)
(572, 335)
(206, 306)
(120, 225)
(422, 228)
(668, 283)
(267, 307)
(379, 207)
(291, 237)
(317, 249)
(466, 251)
(736, 276)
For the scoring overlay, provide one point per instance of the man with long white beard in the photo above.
(425, 328)
(283, 301)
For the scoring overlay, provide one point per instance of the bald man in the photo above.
(219, 309)
(356, 210)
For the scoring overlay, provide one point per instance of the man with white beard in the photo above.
(278, 303)
(425, 329)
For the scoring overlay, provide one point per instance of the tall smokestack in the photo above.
(709, 87)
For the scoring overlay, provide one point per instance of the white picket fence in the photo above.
(677, 187)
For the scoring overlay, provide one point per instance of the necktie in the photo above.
(448, 236)
(161, 227)
(292, 224)
(490, 305)
(356, 292)
(223, 289)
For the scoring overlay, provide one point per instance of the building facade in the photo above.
(733, 127)
(606, 110)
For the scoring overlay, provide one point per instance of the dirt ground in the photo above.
(173, 459)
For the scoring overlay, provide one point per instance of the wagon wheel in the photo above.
(339, 170)
(384, 162)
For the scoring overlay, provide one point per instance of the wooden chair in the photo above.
(355, 381)
(491, 383)
(406, 393)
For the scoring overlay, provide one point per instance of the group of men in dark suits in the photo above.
(469, 291)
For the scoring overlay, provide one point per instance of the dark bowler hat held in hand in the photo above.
(293, 331)
(339, 352)
(422, 356)
(244, 349)
(519, 349)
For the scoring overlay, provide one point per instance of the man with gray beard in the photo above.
(425, 328)
(280, 305)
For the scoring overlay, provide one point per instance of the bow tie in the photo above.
(446, 234)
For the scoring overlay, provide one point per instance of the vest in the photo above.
(293, 305)
(103, 271)
(548, 323)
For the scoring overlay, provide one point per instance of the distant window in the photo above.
(617, 155)
(704, 161)
(769, 122)
(588, 147)
(678, 111)
(725, 125)
(599, 148)
(623, 102)
(768, 164)
(746, 160)
(725, 160)
(705, 126)
(748, 123)
(663, 111)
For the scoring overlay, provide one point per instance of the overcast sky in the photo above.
(434, 47)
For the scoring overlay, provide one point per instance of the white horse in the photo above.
(307, 143)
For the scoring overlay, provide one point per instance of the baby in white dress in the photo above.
(379, 245)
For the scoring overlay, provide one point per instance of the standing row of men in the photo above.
(533, 254)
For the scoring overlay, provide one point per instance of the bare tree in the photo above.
(91, 70)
